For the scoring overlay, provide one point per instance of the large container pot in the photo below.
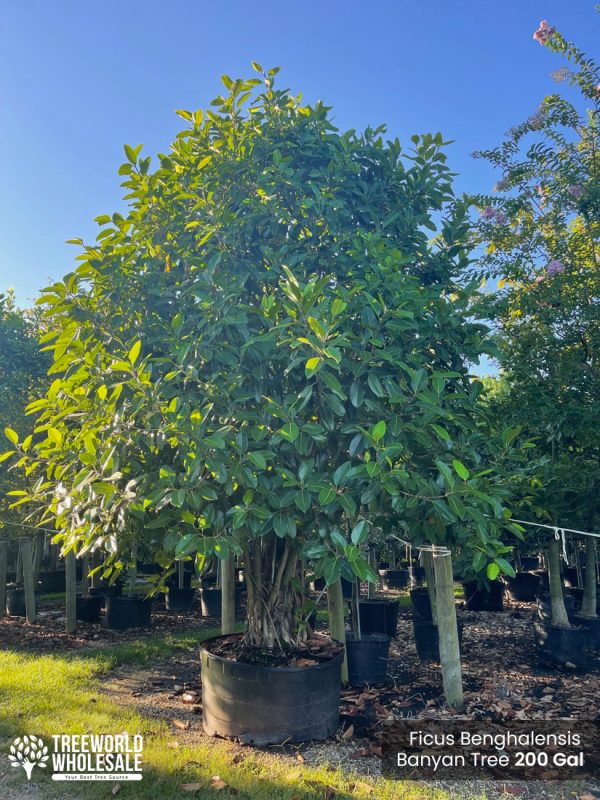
(210, 602)
(394, 578)
(544, 579)
(88, 608)
(179, 599)
(378, 616)
(570, 577)
(523, 587)
(563, 647)
(269, 705)
(52, 581)
(421, 604)
(483, 599)
(367, 658)
(124, 612)
(418, 576)
(346, 588)
(427, 639)
(173, 581)
(15, 601)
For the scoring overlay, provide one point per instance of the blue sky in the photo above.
(79, 79)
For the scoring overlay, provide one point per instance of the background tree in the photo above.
(542, 232)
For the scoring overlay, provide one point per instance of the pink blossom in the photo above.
(537, 119)
(500, 218)
(544, 32)
(488, 213)
(555, 268)
(540, 278)
(576, 190)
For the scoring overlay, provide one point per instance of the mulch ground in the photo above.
(503, 679)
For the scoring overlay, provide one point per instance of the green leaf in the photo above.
(375, 385)
(331, 570)
(258, 460)
(317, 328)
(303, 500)
(357, 394)
(327, 496)
(6, 455)
(461, 470)
(506, 567)
(493, 570)
(290, 431)
(312, 365)
(12, 436)
(337, 538)
(441, 432)
(134, 352)
(360, 532)
(378, 431)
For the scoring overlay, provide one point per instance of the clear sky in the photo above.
(78, 78)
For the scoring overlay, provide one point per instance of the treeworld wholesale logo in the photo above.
(88, 757)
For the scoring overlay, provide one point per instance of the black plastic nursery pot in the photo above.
(592, 626)
(418, 575)
(523, 587)
(269, 705)
(15, 601)
(394, 578)
(124, 612)
(483, 599)
(180, 599)
(88, 608)
(378, 616)
(544, 579)
(544, 606)
(52, 581)
(367, 658)
(427, 639)
(529, 563)
(173, 581)
(210, 602)
(563, 647)
(346, 588)
(570, 577)
(421, 604)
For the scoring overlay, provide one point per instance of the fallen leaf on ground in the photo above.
(217, 783)
(190, 787)
(348, 733)
(183, 726)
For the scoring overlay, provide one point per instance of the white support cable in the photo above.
(555, 528)
(30, 527)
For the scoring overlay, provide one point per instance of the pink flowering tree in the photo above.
(539, 232)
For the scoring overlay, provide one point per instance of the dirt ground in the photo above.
(503, 679)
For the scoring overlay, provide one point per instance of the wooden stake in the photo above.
(448, 629)
(559, 612)
(588, 606)
(337, 626)
(227, 595)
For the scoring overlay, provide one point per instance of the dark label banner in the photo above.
(512, 750)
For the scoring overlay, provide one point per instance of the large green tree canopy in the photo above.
(269, 352)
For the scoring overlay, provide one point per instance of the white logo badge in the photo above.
(28, 752)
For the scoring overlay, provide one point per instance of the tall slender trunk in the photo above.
(588, 606)
(448, 630)
(227, 595)
(71, 592)
(3, 570)
(559, 612)
(28, 584)
(38, 554)
(337, 627)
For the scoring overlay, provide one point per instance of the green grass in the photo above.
(59, 693)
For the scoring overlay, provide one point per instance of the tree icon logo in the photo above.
(28, 752)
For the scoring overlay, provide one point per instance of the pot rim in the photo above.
(246, 667)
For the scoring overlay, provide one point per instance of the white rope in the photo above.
(555, 528)
(440, 550)
(30, 527)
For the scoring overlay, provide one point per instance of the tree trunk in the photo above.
(373, 565)
(588, 606)
(430, 580)
(85, 580)
(335, 613)
(448, 630)
(71, 592)
(559, 612)
(38, 554)
(3, 569)
(227, 595)
(28, 584)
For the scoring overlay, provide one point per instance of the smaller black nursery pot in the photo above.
(560, 646)
(378, 616)
(544, 605)
(180, 599)
(483, 599)
(394, 578)
(529, 563)
(592, 626)
(367, 658)
(523, 587)
(210, 601)
(421, 604)
(52, 581)
(427, 639)
(15, 601)
(88, 608)
(124, 612)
